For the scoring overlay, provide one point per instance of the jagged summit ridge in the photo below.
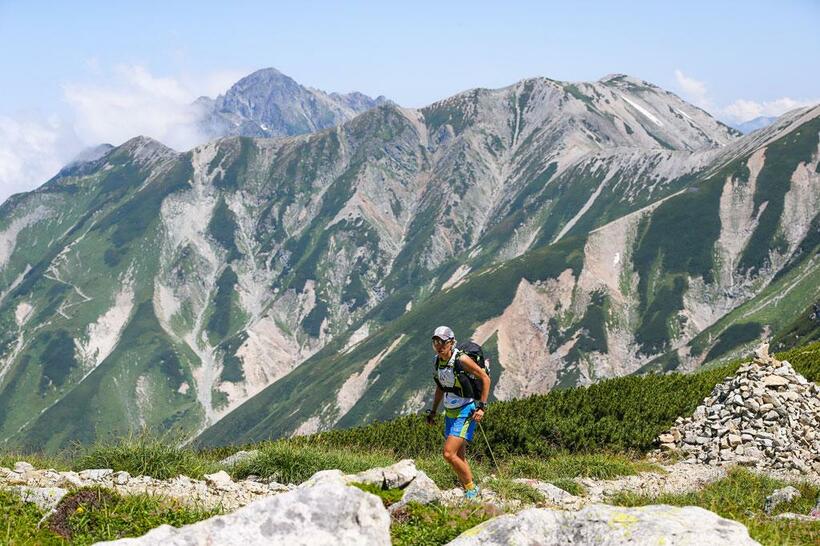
(268, 103)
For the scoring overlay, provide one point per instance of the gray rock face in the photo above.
(608, 525)
(326, 514)
(767, 415)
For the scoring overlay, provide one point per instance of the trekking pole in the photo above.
(489, 448)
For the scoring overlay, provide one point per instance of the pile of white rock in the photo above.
(45, 487)
(767, 415)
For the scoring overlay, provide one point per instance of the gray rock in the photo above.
(122, 477)
(552, 493)
(14, 478)
(220, 480)
(325, 477)
(46, 498)
(422, 490)
(323, 515)
(391, 477)
(69, 479)
(603, 525)
(792, 515)
(778, 497)
(238, 457)
(95, 474)
(775, 381)
(21, 467)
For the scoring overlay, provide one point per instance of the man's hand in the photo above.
(431, 417)
(478, 415)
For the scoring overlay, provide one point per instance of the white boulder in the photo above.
(328, 514)
(605, 525)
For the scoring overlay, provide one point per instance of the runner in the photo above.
(457, 378)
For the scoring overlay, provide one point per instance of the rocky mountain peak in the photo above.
(145, 150)
(268, 103)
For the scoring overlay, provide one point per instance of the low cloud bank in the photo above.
(132, 101)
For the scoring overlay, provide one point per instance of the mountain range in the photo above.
(259, 287)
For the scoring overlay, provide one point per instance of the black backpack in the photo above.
(470, 386)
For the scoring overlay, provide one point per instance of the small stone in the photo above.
(15, 478)
(666, 438)
(21, 467)
(45, 498)
(772, 381)
(238, 457)
(752, 404)
(121, 478)
(69, 479)
(793, 516)
(780, 496)
(220, 480)
(734, 440)
(95, 474)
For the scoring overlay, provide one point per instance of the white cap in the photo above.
(443, 332)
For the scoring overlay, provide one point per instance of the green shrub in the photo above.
(570, 486)
(741, 497)
(86, 516)
(510, 490)
(148, 456)
(621, 414)
(806, 360)
(287, 462)
(57, 462)
(431, 525)
(567, 466)
(388, 496)
(20, 522)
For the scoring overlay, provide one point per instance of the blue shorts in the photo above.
(458, 422)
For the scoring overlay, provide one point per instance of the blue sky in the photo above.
(76, 73)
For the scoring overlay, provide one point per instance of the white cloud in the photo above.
(31, 152)
(135, 102)
(744, 110)
(739, 111)
(693, 90)
(116, 104)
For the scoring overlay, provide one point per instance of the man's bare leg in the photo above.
(455, 454)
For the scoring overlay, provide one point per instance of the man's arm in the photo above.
(437, 399)
(431, 415)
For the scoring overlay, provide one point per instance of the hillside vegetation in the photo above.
(601, 432)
